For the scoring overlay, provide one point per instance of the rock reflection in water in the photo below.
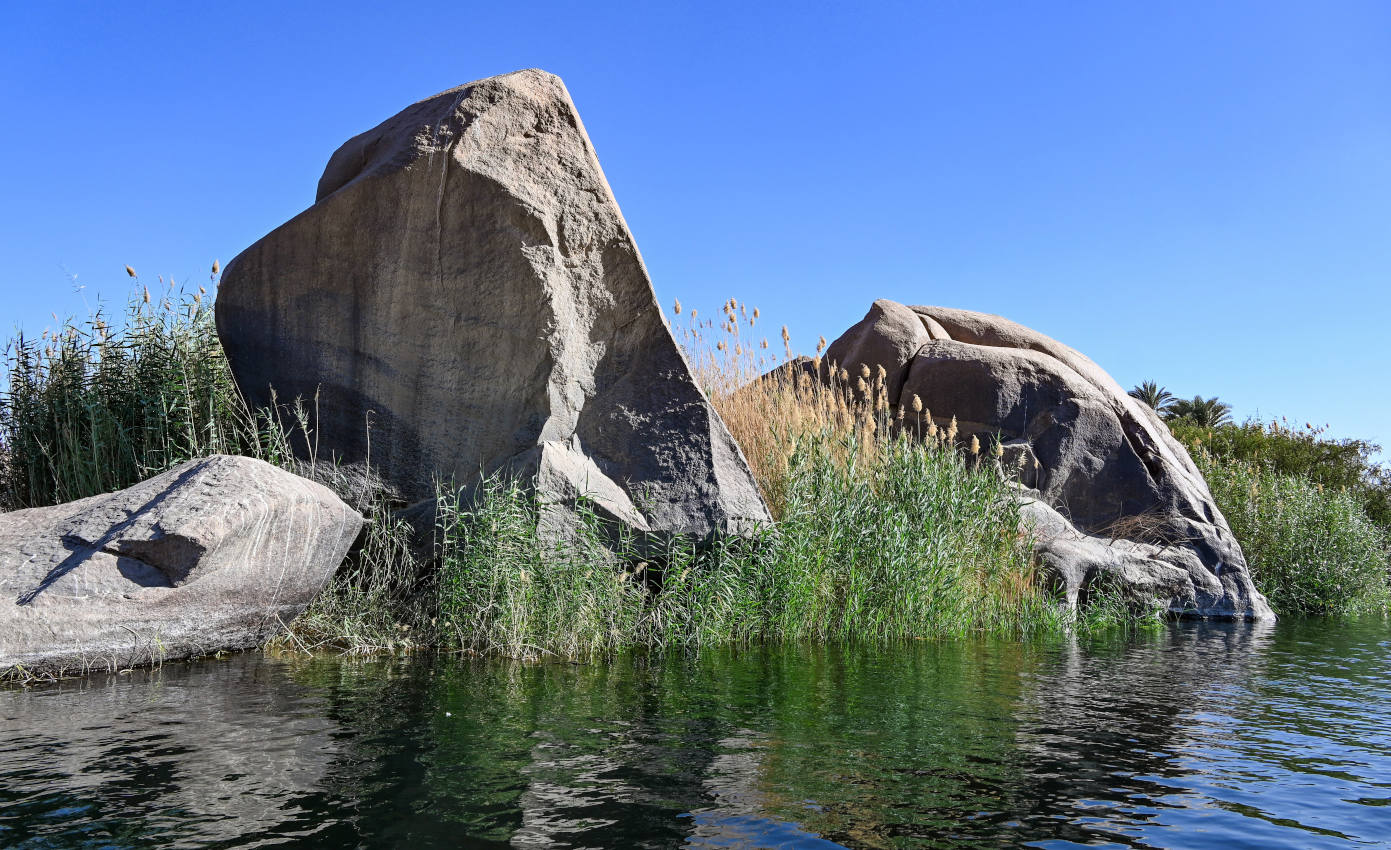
(211, 750)
(1191, 736)
(1101, 729)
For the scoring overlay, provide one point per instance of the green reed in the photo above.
(911, 540)
(90, 408)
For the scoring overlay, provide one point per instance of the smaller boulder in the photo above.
(215, 554)
(889, 336)
(1109, 495)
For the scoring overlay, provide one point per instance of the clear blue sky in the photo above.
(1194, 192)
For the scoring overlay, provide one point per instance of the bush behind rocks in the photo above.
(1342, 465)
(1311, 549)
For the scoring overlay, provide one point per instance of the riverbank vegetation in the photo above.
(902, 542)
(1344, 466)
(91, 407)
(1312, 513)
(877, 536)
(1311, 549)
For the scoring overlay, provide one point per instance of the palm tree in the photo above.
(1154, 395)
(1207, 412)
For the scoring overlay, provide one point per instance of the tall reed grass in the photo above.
(90, 407)
(1312, 549)
(908, 540)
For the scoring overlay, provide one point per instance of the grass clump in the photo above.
(88, 408)
(1311, 549)
(906, 540)
(898, 538)
(379, 600)
(505, 588)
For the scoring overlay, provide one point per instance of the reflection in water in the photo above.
(1193, 736)
(1101, 729)
(157, 758)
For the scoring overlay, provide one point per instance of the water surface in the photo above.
(1195, 736)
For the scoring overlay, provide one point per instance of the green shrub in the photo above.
(1305, 452)
(1311, 549)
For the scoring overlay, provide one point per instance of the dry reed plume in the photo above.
(772, 402)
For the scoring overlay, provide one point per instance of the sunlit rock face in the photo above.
(464, 296)
(215, 554)
(1108, 492)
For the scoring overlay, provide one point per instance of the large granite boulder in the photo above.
(1110, 494)
(215, 554)
(466, 286)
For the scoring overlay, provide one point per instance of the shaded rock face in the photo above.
(466, 284)
(1111, 493)
(214, 554)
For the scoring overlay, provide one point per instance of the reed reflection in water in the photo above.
(1197, 735)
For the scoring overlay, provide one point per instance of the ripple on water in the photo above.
(1196, 736)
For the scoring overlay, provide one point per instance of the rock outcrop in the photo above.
(215, 554)
(1110, 494)
(464, 296)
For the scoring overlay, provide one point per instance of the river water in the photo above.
(1193, 736)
